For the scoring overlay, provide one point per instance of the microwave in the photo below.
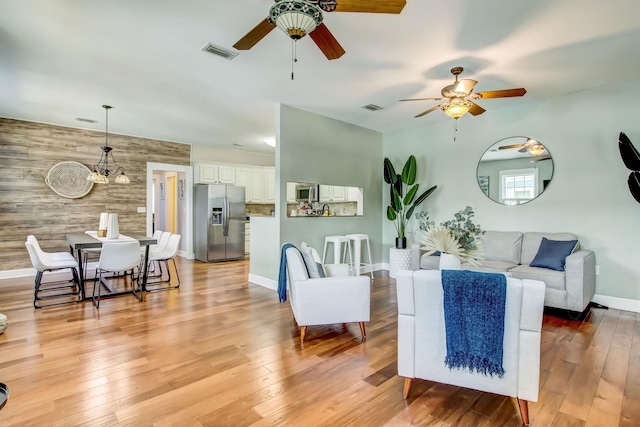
(307, 193)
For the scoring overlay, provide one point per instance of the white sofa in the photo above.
(513, 251)
(422, 338)
(338, 298)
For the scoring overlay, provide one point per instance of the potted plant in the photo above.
(457, 238)
(403, 191)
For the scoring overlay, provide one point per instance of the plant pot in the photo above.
(449, 262)
(401, 242)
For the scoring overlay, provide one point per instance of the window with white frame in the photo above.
(518, 185)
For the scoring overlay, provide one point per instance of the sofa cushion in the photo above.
(494, 266)
(552, 253)
(531, 243)
(502, 246)
(312, 260)
(552, 279)
(430, 262)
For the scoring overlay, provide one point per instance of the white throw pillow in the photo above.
(313, 261)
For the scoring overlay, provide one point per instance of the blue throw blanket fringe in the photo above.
(474, 320)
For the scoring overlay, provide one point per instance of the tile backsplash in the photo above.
(259, 209)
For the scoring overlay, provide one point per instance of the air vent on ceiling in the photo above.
(220, 51)
(372, 107)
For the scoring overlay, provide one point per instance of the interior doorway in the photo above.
(170, 203)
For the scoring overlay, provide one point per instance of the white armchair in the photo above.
(338, 298)
(422, 344)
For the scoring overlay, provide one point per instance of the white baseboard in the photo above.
(263, 281)
(625, 304)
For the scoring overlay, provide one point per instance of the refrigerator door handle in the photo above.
(226, 216)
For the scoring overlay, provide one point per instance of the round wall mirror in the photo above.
(515, 170)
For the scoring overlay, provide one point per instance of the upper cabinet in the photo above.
(214, 174)
(291, 192)
(259, 181)
(333, 193)
(252, 180)
(269, 185)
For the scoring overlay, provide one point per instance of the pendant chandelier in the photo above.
(102, 170)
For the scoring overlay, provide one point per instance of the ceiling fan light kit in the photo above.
(457, 105)
(456, 108)
(296, 18)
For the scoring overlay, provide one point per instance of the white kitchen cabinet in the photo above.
(251, 179)
(226, 174)
(269, 185)
(291, 192)
(206, 173)
(333, 193)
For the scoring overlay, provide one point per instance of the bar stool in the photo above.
(337, 242)
(358, 239)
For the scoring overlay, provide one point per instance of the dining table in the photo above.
(89, 240)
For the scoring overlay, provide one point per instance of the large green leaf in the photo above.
(410, 195)
(410, 212)
(398, 185)
(409, 170)
(391, 214)
(424, 195)
(389, 171)
(396, 202)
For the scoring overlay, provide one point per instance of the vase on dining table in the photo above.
(449, 262)
(113, 231)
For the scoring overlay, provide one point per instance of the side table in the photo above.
(399, 259)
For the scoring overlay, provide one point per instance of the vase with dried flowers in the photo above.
(458, 237)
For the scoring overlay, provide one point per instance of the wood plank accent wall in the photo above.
(28, 206)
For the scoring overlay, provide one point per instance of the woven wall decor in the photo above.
(69, 179)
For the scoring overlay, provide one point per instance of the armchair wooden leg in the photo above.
(303, 332)
(407, 387)
(523, 405)
(364, 331)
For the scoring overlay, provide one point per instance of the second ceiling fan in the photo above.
(460, 97)
(298, 18)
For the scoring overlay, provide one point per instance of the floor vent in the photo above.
(220, 51)
(372, 107)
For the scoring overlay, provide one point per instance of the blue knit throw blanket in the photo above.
(474, 320)
(282, 273)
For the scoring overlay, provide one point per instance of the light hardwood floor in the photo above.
(223, 352)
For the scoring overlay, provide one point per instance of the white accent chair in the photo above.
(338, 298)
(57, 290)
(159, 257)
(422, 344)
(116, 257)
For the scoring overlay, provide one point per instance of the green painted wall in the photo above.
(588, 195)
(313, 148)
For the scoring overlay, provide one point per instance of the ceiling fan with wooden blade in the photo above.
(460, 97)
(298, 18)
(530, 145)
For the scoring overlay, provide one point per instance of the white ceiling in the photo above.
(63, 59)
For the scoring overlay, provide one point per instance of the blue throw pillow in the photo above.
(552, 253)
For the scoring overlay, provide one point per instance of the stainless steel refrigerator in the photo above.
(219, 222)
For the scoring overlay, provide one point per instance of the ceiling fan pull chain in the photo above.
(455, 129)
(294, 55)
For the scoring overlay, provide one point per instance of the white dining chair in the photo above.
(157, 258)
(116, 257)
(54, 290)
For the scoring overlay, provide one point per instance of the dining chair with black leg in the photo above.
(57, 291)
(116, 257)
